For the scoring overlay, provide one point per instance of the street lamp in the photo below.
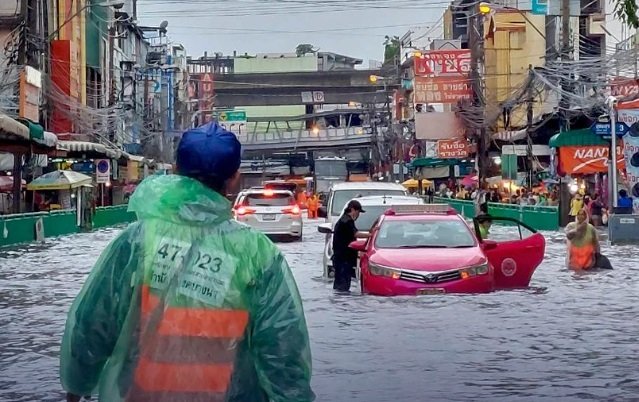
(486, 8)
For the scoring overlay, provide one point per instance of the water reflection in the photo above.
(570, 337)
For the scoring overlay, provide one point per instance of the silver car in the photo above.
(273, 212)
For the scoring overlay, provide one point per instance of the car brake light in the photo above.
(244, 211)
(294, 210)
(268, 193)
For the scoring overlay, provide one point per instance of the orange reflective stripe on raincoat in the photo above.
(191, 355)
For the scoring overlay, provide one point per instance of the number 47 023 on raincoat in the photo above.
(187, 305)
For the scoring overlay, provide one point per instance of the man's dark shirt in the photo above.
(343, 235)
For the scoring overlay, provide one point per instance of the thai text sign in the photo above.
(452, 149)
(443, 63)
(620, 86)
(442, 90)
(588, 159)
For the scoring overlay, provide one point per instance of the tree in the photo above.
(626, 10)
(304, 49)
(391, 49)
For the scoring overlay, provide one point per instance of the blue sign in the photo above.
(606, 128)
(539, 7)
(103, 166)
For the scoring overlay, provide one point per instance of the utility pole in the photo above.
(529, 125)
(22, 61)
(564, 104)
(476, 44)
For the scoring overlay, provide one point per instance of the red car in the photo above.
(430, 249)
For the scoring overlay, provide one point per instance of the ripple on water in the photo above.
(569, 337)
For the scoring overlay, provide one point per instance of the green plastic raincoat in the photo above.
(103, 334)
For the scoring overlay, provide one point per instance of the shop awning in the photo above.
(433, 162)
(89, 147)
(576, 138)
(11, 129)
(49, 139)
(135, 158)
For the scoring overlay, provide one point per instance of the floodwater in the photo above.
(569, 338)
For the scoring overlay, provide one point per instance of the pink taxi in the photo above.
(430, 249)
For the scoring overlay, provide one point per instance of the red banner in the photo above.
(443, 63)
(452, 149)
(621, 86)
(442, 90)
(61, 72)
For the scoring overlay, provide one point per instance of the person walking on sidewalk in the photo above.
(187, 304)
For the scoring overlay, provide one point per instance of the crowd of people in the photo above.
(522, 196)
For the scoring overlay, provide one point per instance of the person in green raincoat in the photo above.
(485, 222)
(187, 304)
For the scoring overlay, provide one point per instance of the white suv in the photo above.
(374, 206)
(273, 212)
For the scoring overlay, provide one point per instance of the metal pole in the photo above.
(529, 127)
(613, 152)
(565, 55)
(477, 50)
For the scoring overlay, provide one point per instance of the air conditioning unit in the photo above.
(596, 24)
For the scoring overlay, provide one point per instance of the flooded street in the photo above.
(570, 338)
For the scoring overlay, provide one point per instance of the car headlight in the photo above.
(474, 271)
(378, 270)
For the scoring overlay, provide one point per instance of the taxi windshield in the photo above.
(424, 234)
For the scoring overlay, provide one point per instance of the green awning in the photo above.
(576, 138)
(36, 131)
(433, 162)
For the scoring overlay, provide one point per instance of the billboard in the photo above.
(438, 126)
(588, 159)
(441, 76)
(442, 90)
(443, 63)
(201, 92)
(453, 149)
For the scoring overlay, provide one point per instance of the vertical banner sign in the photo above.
(631, 155)
(102, 171)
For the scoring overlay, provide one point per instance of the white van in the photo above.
(339, 195)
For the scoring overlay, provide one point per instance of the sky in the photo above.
(355, 28)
